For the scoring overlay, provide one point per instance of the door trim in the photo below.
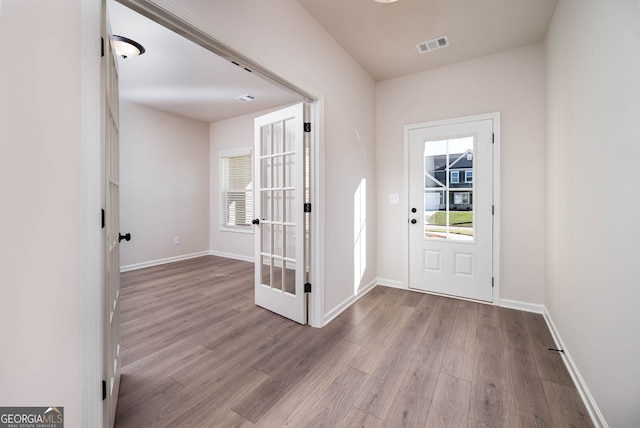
(91, 241)
(496, 193)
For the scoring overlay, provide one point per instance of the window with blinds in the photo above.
(236, 189)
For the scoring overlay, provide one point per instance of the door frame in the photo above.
(495, 117)
(189, 26)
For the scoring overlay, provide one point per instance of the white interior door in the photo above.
(279, 212)
(111, 230)
(450, 209)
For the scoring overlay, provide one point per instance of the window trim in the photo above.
(460, 196)
(457, 175)
(222, 155)
(468, 176)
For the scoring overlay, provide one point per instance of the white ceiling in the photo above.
(383, 37)
(183, 78)
(180, 77)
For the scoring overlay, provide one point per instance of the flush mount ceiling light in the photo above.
(385, 1)
(127, 48)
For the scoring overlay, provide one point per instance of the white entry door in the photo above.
(450, 208)
(111, 229)
(279, 169)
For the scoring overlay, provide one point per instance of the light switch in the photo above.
(394, 198)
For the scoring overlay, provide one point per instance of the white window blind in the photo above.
(236, 189)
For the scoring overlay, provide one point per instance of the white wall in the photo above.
(164, 184)
(511, 83)
(41, 288)
(289, 41)
(230, 134)
(593, 140)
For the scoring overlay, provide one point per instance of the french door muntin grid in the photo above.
(278, 196)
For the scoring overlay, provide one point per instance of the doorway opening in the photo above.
(182, 26)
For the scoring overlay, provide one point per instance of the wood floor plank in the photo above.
(514, 332)
(229, 419)
(459, 357)
(195, 408)
(335, 401)
(256, 404)
(148, 396)
(566, 406)
(381, 389)
(476, 424)
(489, 315)
(196, 351)
(526, 386)
(213, 364)
(161, 363)
(303, 396)
(450, 405)
(550, 364)
(355, 313)
(369, 356)
(440, 324)
(356, 418)
(490, 400)
(411, 405)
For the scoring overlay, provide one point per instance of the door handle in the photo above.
(255, 221)
(414, 221)
(126, 237)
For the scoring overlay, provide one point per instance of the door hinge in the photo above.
(307, 126)
(307, 207)
(493, 138)
(102, 216)
(104, 389)
(493, 210)
(307, 287)
(101, 47)
(493, 282)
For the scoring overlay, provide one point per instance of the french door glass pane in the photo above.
(265, 139)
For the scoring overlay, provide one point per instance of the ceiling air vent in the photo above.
(246, 98)
(433, 44)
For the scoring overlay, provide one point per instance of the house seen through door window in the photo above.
(236, 190)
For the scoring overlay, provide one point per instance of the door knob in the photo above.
(414, 221)
(126, 237)
(255, 221)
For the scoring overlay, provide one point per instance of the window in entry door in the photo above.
(448, 199)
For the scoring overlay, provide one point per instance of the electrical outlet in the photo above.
(176, 240)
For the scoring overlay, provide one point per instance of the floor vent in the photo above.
(433, 44)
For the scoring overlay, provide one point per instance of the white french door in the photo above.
(279, 177)
(451, 208)
(111, 229)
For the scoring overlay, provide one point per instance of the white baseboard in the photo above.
(522, 306)
(332, 314)
(150, 263)
(392, 283)
(596, 416)
(232, 256)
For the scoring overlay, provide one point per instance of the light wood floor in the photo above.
(198, 353)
